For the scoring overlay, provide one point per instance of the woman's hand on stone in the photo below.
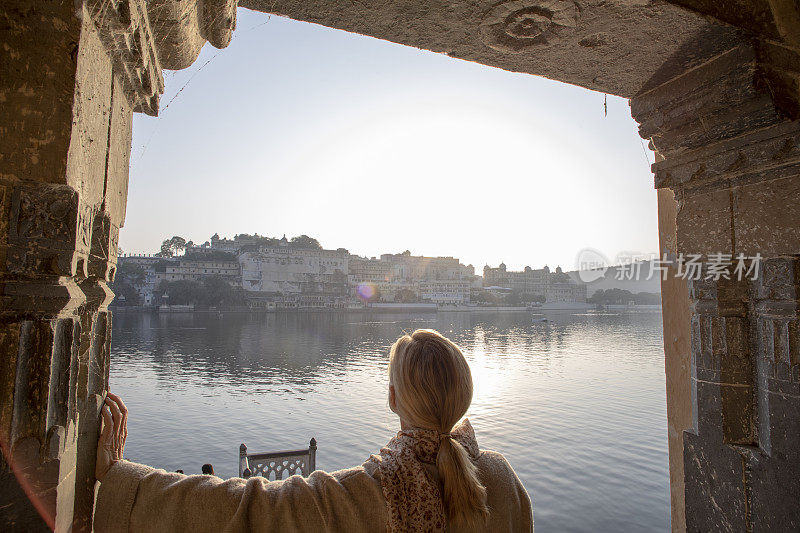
(111, 444)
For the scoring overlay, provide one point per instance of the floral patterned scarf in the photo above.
(413, 499)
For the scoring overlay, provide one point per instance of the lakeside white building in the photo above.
(368, 270)
(287, 268)
(445, 291)
(199, 267)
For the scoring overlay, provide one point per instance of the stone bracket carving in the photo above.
(717, 126)
(716, 101)
(219, 21)
(49, 231)
(144, 37)
(764, 154)
(779, 75)
(124, 29)
(181, 28)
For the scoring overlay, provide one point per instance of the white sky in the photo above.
(376, 147)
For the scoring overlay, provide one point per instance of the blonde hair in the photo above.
(433, 390)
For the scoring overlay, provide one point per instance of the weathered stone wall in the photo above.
(730, 151)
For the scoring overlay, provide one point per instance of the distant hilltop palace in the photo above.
(271, 273)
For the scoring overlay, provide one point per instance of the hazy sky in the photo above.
(376, 147)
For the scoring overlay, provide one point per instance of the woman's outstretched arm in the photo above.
(134, 497)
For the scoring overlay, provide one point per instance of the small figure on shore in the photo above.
(179, 471)
(208, 469)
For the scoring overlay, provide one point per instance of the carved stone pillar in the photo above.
(729, 149)
(71, 76)
(66, 115)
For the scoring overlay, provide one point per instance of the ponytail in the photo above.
(433, 389)
(463, 494)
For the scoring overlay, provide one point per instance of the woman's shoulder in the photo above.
(493, 459)
(495, 469)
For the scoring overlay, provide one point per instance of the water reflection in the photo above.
(576, 404)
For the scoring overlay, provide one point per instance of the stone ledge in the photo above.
(752, 157)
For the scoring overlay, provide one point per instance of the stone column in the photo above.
(675, 316)
(68, 91)
(728, 146)
(72, 74)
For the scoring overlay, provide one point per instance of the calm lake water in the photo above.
(576, 405)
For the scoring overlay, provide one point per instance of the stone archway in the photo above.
(715, 88)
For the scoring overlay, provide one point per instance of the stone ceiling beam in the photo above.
(619, 47)
(622, 47)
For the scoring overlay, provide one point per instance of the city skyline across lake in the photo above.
(263, 273)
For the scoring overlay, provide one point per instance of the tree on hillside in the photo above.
(171, 247)
(268, 241)
(623, 297)
(212, 291)
(304, 241)
(647, 298)
(126, 294)
(128, 277)
(338, 283)
(485, 297)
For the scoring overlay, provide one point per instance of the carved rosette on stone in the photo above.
(729, 147)
(518, 25)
